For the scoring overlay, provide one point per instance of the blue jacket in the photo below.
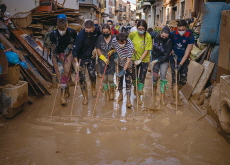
(84, 44)
(180, 43)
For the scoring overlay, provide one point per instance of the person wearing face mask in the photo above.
(123, 48)
(83, 48)
(62, 40)
(183, 41)
(104, 47)
(142, 42)
(113, 30)
(162, 48)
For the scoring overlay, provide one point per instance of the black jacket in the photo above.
(62, 41)
(162, 49)
(84, 44)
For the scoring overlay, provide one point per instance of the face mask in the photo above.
(182, 32)
(141, 32)
(106, 35)
(122, 45)
(62, 33)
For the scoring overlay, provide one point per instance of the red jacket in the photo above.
(114, 31)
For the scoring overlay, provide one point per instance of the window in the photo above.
(124, 9)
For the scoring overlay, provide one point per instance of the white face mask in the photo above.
(62, 33)
(122, 45)
(182, 32)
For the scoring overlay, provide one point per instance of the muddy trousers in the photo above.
(128, 80)
(139, 76)
(182, 74)
(63, 66)
(90, 65)
(142, 69)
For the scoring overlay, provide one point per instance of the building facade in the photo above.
(122, 11)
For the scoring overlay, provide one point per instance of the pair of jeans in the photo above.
(162, 67)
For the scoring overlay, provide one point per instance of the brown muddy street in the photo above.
(145, 136)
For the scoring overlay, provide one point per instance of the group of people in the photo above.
(121, 55)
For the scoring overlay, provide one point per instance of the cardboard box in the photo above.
(13, 98)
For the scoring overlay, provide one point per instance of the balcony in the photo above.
(119, 9)
(145, 3)
(89, 3)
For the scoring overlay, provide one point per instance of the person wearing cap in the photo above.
(162, 47)
(62, 40)
(83, 48)
(183, 41)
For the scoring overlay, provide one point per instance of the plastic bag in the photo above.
(13, 59)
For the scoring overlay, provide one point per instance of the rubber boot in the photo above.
(62, 100)
(93, 87)
(128, 101)
(111, 91)
(106, 90)
(120, 98)
(67, 93)
(140, 88)
(84, 93)
(163, 86)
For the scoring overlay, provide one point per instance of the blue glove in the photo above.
(121, 73)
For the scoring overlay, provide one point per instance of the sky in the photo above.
(132, 1)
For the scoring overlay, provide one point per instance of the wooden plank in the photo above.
(39, 62)
(194, 72)
(208, 68)
(29, 81)
(30, 69)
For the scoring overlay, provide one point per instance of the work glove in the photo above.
(103, 58)
(153, 63)
(178, 67)
(94, 54)
(121, 73)
(137, 62)
(110, 52)
(115, 57)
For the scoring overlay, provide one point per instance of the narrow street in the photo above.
(128, 136)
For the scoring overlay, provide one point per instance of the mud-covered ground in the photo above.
(145, 135)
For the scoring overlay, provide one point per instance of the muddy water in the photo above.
(153, 134)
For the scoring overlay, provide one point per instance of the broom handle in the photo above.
(99, 90)
(75, 88)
